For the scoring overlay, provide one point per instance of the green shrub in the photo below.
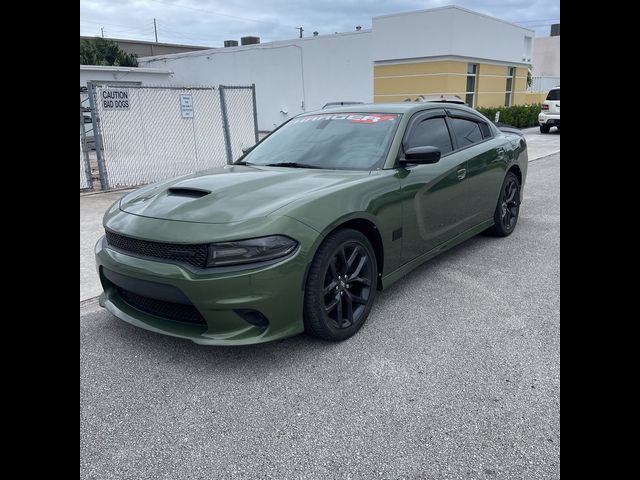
(520, 116)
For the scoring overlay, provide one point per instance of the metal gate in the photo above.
(146, 133)
(86, 181)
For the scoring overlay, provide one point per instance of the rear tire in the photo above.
(508, 207)
(545, 128)
(341, 286)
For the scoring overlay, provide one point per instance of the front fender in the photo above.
(376, 200)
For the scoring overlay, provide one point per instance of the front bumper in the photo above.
(549, 118)
(276, 291)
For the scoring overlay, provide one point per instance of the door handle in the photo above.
(461, 173)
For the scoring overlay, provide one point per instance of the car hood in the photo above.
(232, 194)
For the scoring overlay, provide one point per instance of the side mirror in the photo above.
(421, 155)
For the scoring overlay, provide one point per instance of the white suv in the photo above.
(550, 114)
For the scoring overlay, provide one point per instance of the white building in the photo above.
(448, 50)
(125, 75)
(546, 64)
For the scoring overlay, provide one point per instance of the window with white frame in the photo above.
(508, 94)
(472, 75)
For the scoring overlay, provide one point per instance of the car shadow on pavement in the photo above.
(378, 334)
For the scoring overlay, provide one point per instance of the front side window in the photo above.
(353, 141)
(467, 132)
(432, 132)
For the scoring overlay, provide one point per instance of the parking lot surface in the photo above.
(455, 375)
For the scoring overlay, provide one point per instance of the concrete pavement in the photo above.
(540, 145)
(92, 208)
(455, 375)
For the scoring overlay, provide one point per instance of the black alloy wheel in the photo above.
(508, 207)
(341, 286)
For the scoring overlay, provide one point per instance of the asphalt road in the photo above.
(455, 375)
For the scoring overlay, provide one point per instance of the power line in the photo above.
(137, 27)
(247, 19)
(552, 20)
(188, 38)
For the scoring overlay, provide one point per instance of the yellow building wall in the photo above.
(397, 82)
(534, 97)
(490, 100)
(399, 69)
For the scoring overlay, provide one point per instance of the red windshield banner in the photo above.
(352, 117)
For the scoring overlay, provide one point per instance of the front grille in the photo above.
(176, 312)
(195, 255)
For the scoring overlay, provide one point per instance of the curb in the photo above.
(89, 305)
(543, 157)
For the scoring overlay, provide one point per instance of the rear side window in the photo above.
(432, 132)
(486, 131)
(554, 95)
(467, 132)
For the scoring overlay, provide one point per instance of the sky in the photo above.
(210, 22)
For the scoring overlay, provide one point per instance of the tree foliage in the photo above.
(101, 51)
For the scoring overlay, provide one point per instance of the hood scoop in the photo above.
(187, 192)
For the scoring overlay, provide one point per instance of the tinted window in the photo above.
(431, 132)
(486, 131)
(467, 132)
(329, 140)
(554, 95)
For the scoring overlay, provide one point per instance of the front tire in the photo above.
(545, 128)
(508, 207)
(341, 286)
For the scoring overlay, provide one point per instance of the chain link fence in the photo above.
(86, 181)
(85, 173)
(146, 133)
(243, 131)
(543, 84)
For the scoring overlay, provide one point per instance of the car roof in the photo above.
(440, 98)
(400, 107)
(343, 103)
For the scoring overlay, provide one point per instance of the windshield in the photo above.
(554, 95)
(354, 141)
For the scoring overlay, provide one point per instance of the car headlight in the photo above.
(250, 251)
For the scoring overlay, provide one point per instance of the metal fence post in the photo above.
(225, 124)
(83, 141)
(255, 110)
(97, 136)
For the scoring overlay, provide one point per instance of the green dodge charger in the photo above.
(300, 233)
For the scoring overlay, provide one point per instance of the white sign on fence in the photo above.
(115, 99)
(186, 106)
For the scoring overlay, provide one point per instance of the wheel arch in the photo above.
(365, 224)
(516, 171)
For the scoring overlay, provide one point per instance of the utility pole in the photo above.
(155, 29)
(301, 30)
(102, 31)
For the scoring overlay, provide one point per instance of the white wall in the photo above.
(449, 31)
(294, 76)
(546, 57)
(147, 76)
